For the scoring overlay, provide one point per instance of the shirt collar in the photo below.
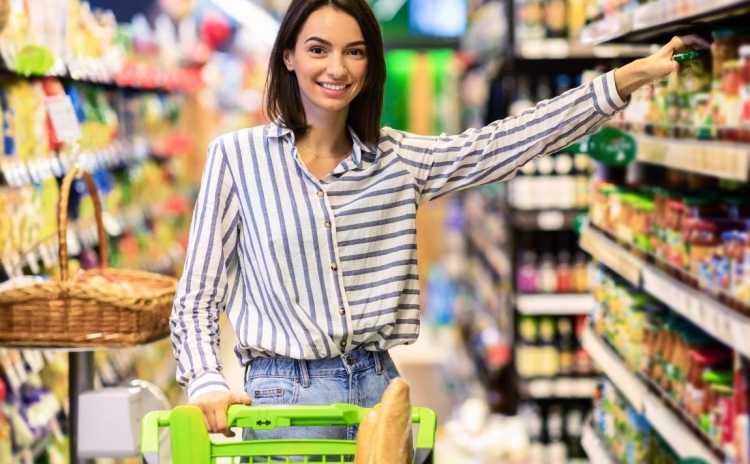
(276, 129)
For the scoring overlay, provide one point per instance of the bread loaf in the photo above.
(393, 426)
(365, 438)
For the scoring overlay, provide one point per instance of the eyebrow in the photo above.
(325, 42)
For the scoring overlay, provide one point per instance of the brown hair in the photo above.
(366, 109)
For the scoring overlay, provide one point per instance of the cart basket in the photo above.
(190, 442)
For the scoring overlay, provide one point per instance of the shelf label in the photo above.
(723, 160)
(626, 382)
(679, 437)
(63, 117)
(611, 255)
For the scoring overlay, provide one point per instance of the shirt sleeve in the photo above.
(202, 291)
(445, 164)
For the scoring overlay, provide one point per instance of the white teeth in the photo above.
(334, 87)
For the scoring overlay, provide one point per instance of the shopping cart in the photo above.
(190, 442)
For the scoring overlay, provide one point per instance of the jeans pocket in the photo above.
(264, 390)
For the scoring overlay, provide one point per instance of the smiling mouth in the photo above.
(333, 87)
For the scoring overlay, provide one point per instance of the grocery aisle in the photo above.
(593, 308)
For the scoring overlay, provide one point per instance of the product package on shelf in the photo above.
(701, 380)
(33, 404)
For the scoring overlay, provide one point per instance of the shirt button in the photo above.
(342, 311)
(328, 224)
(343, 343)
(321, 194)
(334, 266)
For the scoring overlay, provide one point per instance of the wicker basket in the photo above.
(72, 312)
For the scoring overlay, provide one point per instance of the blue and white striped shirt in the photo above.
(308, 268)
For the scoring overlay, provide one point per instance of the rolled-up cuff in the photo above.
(206, 383)
(606, 99)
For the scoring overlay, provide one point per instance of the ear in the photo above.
(288, 60)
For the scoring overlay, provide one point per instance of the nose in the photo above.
(337, 68)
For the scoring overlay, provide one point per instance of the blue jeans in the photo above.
(358, 377)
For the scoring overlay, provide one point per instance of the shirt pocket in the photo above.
(272, 390)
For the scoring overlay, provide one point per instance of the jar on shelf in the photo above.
(702, 238)
(729, 111)
(744, 86)
(623, 222)
(642, 229)
(703, 358)
(674, 250)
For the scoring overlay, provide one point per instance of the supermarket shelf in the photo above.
(715, 318)
(626, 381)
(550, 219)
(559, 387)
(19, 174)
(612, 255)
(682, 440)
(679, 437)
(563, 49)
(597, 451)
(555, 304)
(110, 71)
(719, 159)
(656, 18)
(79, 237)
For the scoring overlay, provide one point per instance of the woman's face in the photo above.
(330, 62)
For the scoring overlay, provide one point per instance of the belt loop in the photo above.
(304, 373)
(247, 371)
(378, 363)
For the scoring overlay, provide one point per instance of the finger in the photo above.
(211, 420)
(242, 398)
(220, 416)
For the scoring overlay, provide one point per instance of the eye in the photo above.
(357, 52)
(316, 50)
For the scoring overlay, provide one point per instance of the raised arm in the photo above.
(444, 164)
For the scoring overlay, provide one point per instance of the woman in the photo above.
(304, 229)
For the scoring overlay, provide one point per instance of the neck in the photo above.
(328, 134)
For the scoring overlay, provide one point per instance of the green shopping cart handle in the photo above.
(188, 428)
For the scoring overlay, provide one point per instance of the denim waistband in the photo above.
(346, 364)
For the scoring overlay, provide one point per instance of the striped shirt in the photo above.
(308, 268)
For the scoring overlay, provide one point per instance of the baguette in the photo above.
(365, 438)
(393, 427)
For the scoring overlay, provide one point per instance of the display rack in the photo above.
(718, 320)
(663, 419)
(595, 448)
(572, 49)
(658, 18)
(724, 160)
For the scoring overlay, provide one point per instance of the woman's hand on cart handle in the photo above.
(640, 72)
(214, 406)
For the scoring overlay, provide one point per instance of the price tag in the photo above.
(14, 382)
(33, 261)
(74, 245)
(32, 168)
(710, 322)
(63, 117)
(694, 310)
(34, 360)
